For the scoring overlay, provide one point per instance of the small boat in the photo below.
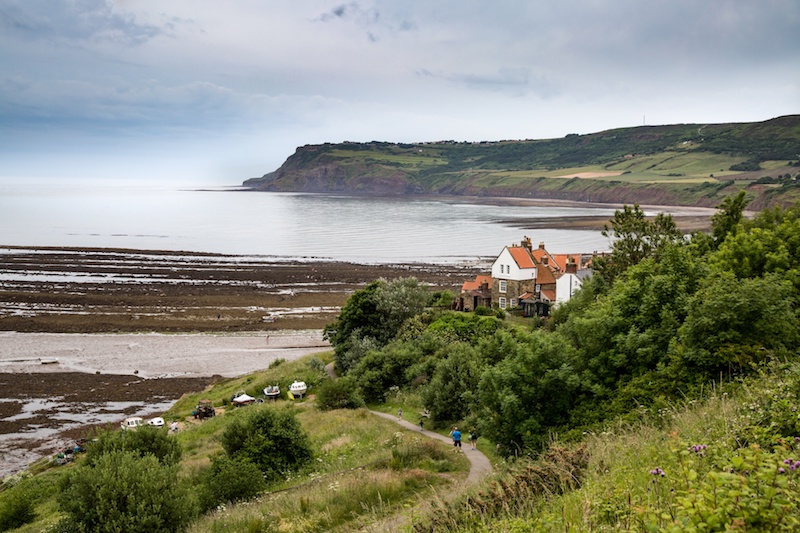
(157, 422)
(272, 392)
(242, 398)
(298, 389)
(52, 361)
(130, 424)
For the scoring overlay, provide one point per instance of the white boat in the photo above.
(157, 422)
(243, 399)
(130, 424)
(298, 389)
(272, 392)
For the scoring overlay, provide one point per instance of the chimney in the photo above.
(572, 266)
(541, 245)
(526, 243)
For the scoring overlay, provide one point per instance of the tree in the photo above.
(634, 238)
(122, 491)
(726, 221)
(529, 393)
(453, 388)
(733, 323)
(270, 438)
(372, 317)
(359, 318)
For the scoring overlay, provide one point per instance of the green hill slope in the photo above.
(684, 164)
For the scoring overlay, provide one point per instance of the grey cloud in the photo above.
(74, 20)
(515, 81)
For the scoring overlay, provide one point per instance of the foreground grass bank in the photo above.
(363, 469)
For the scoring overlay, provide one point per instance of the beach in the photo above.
(91, 336)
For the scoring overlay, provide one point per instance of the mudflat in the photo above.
(90, 336)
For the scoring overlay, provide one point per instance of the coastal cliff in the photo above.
(684, 164)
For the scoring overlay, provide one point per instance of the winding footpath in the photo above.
(480, 466)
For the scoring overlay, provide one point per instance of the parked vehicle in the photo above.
(204, 409)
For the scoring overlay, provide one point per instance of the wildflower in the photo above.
(698, 449)
(781, 470)
(657, 472)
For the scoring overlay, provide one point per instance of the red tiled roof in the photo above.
(522, 257)
(562, 260)
(545, 276)
(474, 285)
(540, 254)
(549, 294)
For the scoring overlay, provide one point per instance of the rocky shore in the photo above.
(88, 337)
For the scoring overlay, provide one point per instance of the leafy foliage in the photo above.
(341, 393)
(16, 509)
(372, 317)
(146, 440)
(270, 438)
(635, 238)
(123, 491)
(229, 480)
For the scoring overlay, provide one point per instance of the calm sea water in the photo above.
(376, 230)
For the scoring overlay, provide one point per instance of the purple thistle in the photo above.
(781, 470)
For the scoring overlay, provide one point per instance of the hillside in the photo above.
(683, 164)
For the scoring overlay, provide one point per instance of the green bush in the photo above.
(125, 492)
(16, 509)
(146, 440)
(339, 394)
(228, 480)
(270, 438)
(484, 311)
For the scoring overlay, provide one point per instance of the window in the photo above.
(502, 303)
(512, 303)
(503, 285)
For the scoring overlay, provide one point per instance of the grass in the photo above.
(365, 468)
(700, 462)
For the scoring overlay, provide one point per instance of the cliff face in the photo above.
(661, 165)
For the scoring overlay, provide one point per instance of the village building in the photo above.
(526, 278)
(476, 293)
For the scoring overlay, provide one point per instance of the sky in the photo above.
(215, 92)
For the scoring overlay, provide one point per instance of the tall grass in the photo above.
(723, 461)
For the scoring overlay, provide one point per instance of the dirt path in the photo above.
(480, 466)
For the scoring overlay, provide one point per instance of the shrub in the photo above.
(16, 509)
(277, 362)
(228, 480)
(339, 394)
(146, 440)
(125, 492)
(484, 311)
(270, 438)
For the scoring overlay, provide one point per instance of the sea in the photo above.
(229, 220)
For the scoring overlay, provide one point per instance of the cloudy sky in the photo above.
(218, 91)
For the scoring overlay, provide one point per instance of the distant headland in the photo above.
(678, 165)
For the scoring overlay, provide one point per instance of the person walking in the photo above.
(400, 414)
(456, 435)
(473, 438)
(420, 424)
